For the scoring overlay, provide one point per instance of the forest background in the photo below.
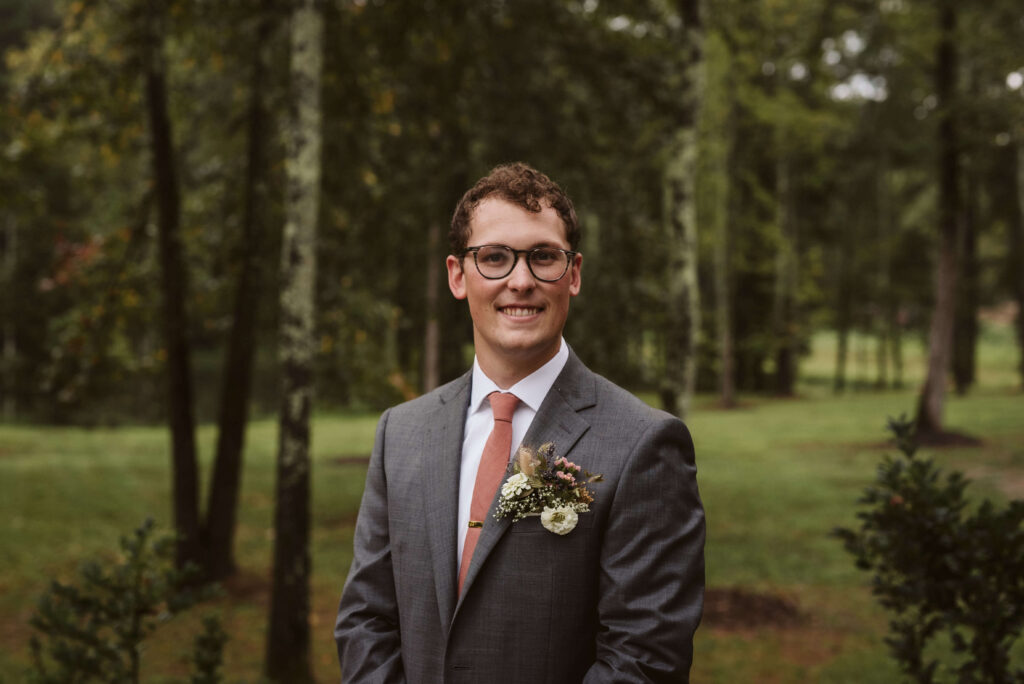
(747, 174)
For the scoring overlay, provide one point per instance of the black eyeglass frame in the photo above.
(569, 255)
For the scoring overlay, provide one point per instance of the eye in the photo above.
(544, 256)
(493, 255)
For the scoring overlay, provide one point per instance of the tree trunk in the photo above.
(723, 314)
(965, 327)
(896, 347)
(933, 394)
(221, 512)
(432, 332)
(683, 298)
(883, 208)
(174, 285)
(716, 123)
(784, 301)
(940, 336)
(10, 350)
(844, 303)
(680, 211)
(288, 639)
(1016, 225)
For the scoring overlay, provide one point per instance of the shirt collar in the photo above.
(531, 390)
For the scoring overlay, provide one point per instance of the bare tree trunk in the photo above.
(683, 294)
(683, 298)
(174, 283)
(940, 337)
(885, 230)
(288, 638)
(10, 350)
(716, 126)
(893, 326)
(844, 303)
(896, 349)
(723, 314)
(1017, 248)
(784, 301)
(965, 326)
(222, 507)
(432, 333)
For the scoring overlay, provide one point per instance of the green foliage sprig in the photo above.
(208, 652)
(941, 569)
(93, 628)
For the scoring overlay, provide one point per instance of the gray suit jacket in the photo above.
(616, 600)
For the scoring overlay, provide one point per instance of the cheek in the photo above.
(479, 300)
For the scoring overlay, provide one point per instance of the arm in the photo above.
(652, 564)
(366, 631)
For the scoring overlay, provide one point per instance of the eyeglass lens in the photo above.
(497, 261)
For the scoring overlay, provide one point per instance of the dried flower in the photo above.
(527, 461)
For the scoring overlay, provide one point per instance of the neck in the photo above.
(506, 372)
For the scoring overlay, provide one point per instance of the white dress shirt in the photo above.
(531, 391)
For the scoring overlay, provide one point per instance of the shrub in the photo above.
(940, 568)
(93, 629)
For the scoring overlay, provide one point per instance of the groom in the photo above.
(440, 590)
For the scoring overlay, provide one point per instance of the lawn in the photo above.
(776, 476)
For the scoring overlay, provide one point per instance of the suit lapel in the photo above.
(443, 442)
(557, 421)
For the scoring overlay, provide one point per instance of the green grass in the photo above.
(776, 476)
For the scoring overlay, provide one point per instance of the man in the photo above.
(440, 590)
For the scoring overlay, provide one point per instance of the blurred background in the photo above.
(820, 201)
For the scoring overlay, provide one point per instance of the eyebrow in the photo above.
(535, 245)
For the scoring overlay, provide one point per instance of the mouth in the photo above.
(520, 311)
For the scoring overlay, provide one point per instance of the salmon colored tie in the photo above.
(493, 463)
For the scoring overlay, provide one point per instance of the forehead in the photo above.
(498, 221)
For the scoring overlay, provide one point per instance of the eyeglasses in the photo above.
(497, 261)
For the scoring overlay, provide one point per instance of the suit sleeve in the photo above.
(366, 631)
(652, 564)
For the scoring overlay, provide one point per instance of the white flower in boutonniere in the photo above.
(515, 486)
(561, 520)
(553, 488)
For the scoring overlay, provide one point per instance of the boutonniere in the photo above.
(553, 488)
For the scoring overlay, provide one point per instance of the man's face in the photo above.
(517, 320)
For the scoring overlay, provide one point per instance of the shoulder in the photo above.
(627, 403)
(621, 417)
(603, 399)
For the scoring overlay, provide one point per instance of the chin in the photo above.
(528, 349)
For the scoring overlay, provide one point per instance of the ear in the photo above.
(574, 275)
(456, 277)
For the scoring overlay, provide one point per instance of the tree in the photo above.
(174, 283)
(1016, 252)
(713, 201)
(680, 198)
(221, 512)
(940, 337)
(10, 343)
(288, 640)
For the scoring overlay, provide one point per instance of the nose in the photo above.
(521, 279)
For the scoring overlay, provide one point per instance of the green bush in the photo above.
(93, 629)
(941, 569)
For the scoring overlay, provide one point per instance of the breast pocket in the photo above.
(533, 525)
(528, 525)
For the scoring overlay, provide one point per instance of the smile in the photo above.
(519, 311)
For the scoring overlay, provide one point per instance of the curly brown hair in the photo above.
(522, 185)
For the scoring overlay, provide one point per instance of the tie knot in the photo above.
(503, 405)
